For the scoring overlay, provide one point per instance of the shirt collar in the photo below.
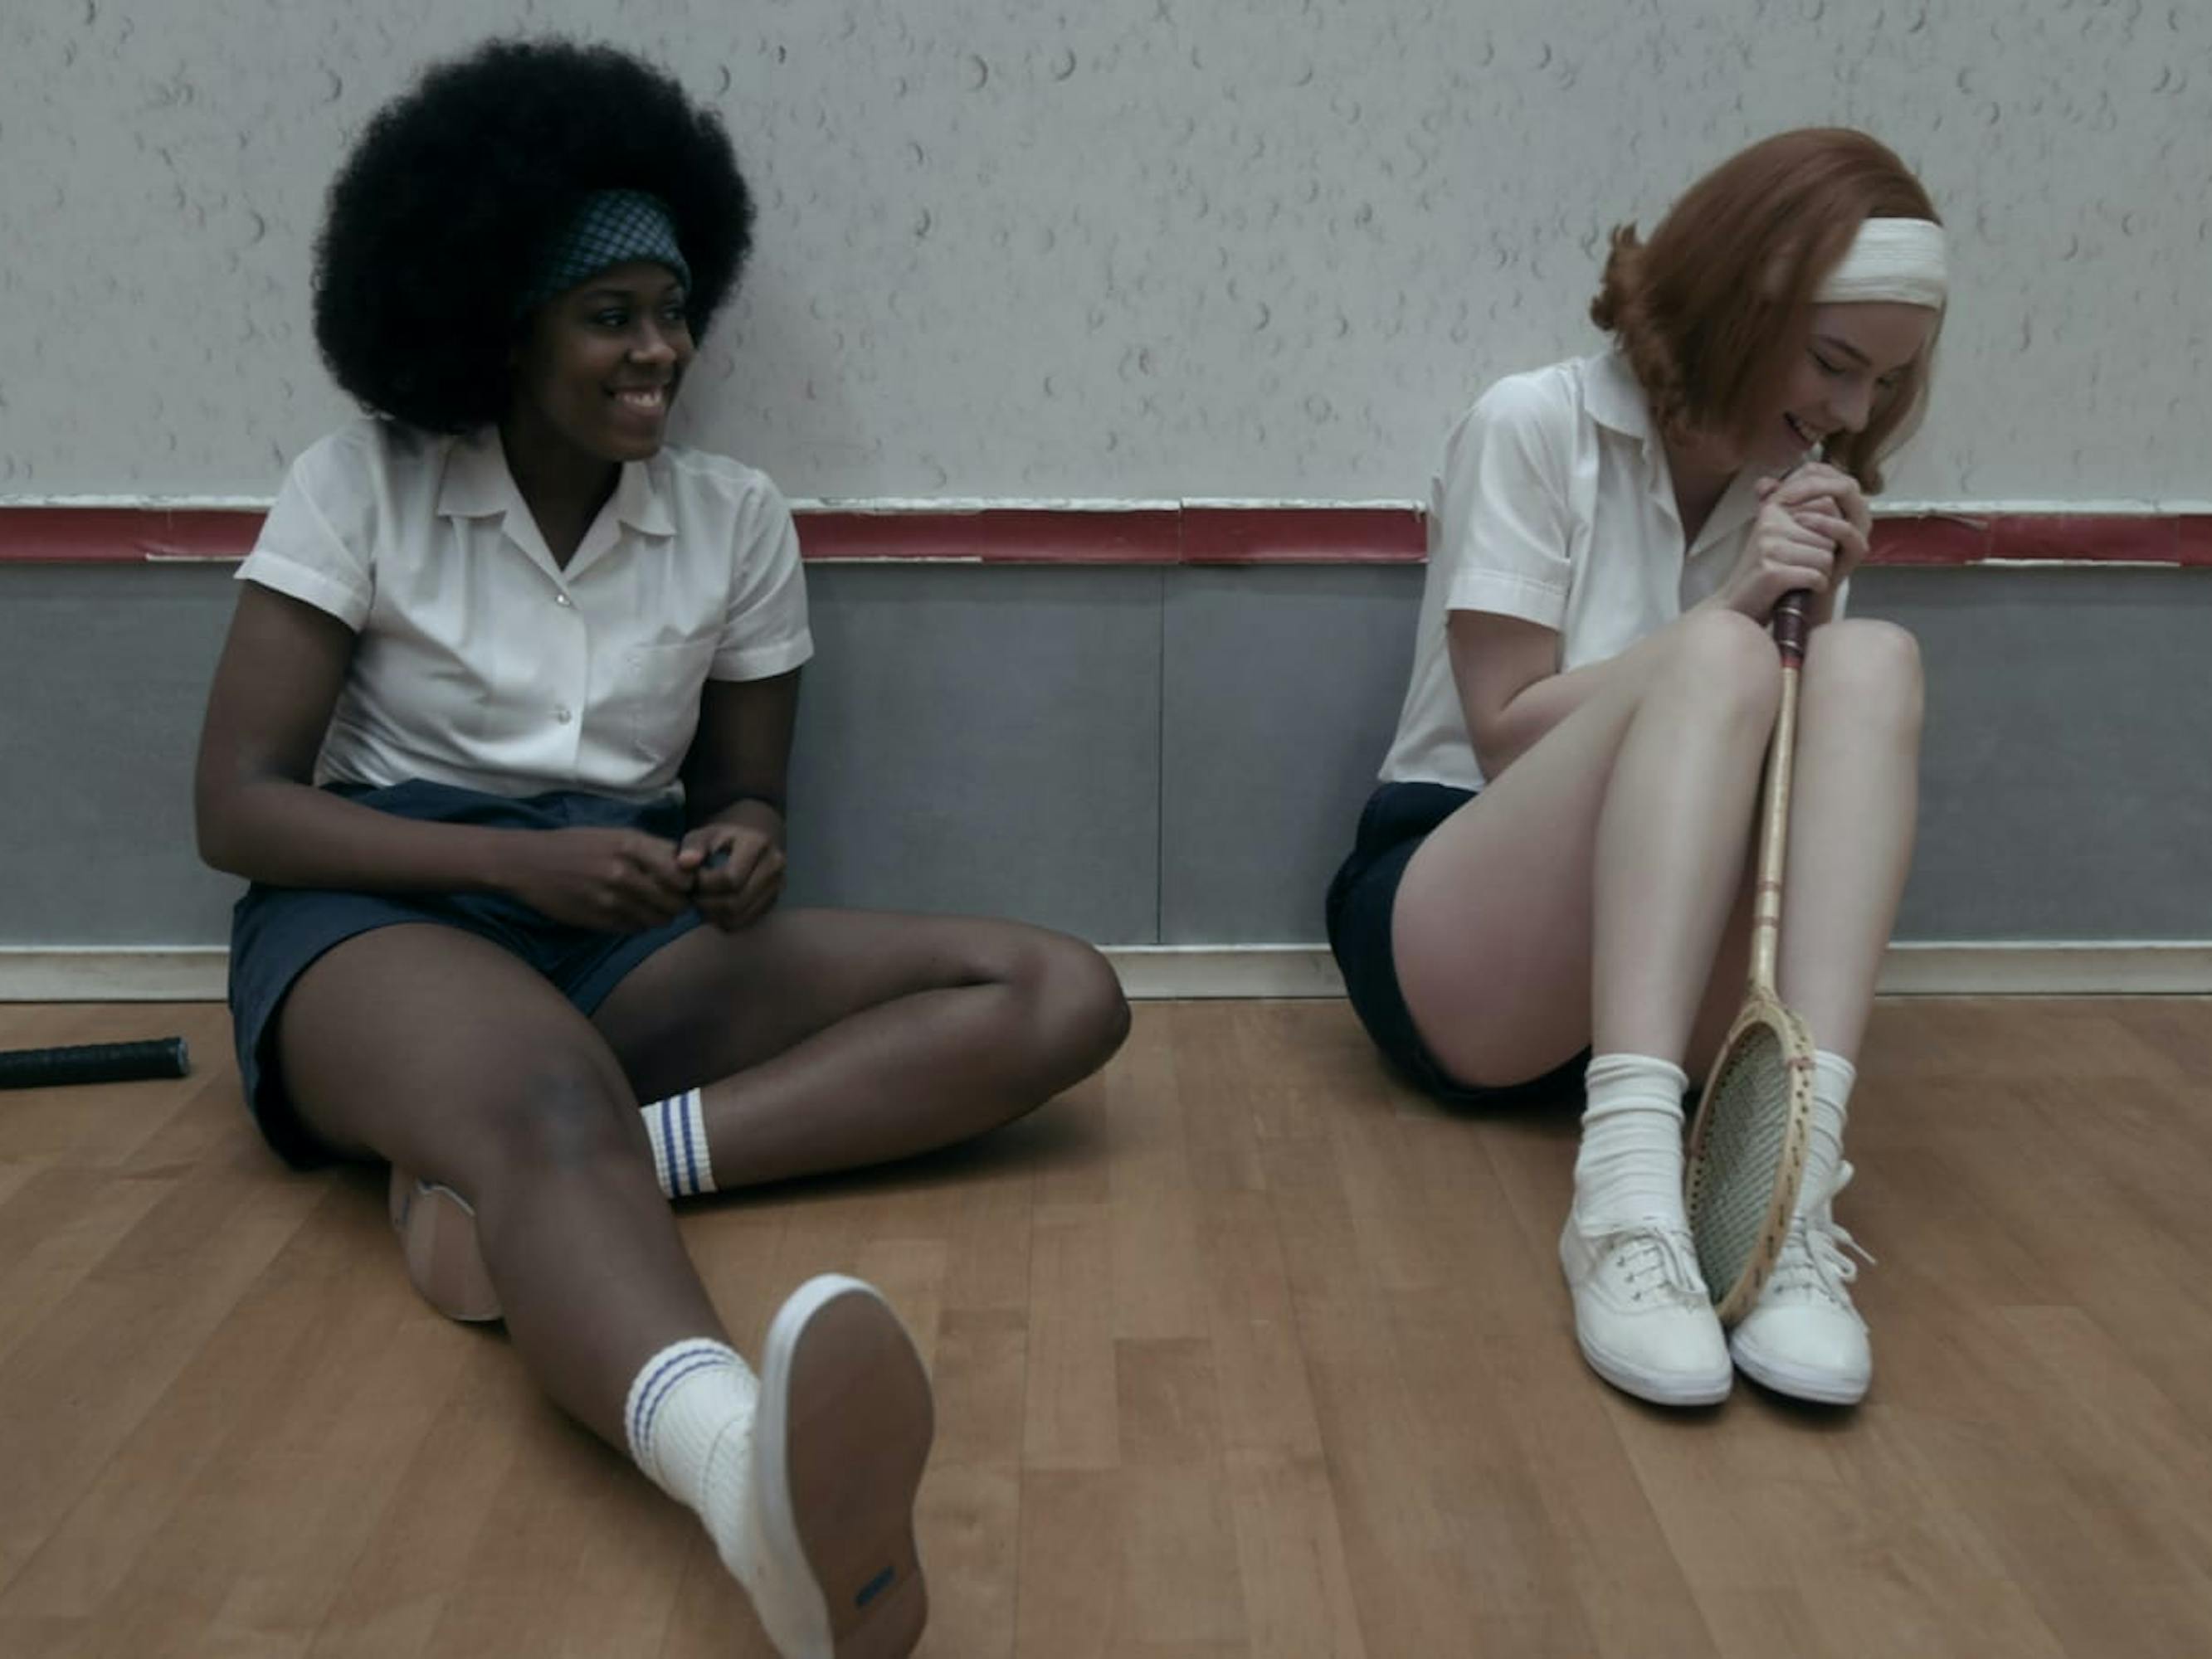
(1617, 399)
(640, 503)
(478, 484)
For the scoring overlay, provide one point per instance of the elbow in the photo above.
(212, 839)
(1494, 750)
(217, 833)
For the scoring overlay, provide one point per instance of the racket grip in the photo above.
(1791, 625)
(94, 1062)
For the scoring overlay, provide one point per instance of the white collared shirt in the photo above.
(481, 662)
(1554, 504)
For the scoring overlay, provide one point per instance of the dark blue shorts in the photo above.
(1397, 818)
(275, 933)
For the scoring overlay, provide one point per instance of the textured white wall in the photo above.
(1133, 248)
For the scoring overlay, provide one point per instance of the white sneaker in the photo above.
(437, 1230)
(824, 1541)
(1803, 1337)
(1643, 1315)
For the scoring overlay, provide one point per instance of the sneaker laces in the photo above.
(1659, 1258)
(1812, 1261)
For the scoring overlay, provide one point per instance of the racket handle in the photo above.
(1790, 622)
(1791, 625)
(94, 1062)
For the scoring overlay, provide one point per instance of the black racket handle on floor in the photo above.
(94, 1062)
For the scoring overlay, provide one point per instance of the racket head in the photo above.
(1747, 1149)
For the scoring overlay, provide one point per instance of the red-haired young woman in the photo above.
(1553, 879)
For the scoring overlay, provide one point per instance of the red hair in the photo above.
(1710, 309)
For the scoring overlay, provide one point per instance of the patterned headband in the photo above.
(612, 227)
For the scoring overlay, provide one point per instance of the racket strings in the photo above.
(1733, 1191)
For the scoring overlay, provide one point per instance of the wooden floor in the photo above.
(1240, 1349)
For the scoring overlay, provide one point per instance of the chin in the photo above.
(629, 447)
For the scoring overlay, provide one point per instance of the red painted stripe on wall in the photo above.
(1195, 535)
(1302, 535)
(1930, 540)
(2068, 535)
(123, 535)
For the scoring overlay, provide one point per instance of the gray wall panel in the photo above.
(1026, 741)
(977, 740)
(103, 675)
(2064, 789)
(1282, 691)
(969, 740)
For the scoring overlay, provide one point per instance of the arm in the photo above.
(1510, 689)
(1506, 669)
(259, 816)
(734, 779)
(257, 813)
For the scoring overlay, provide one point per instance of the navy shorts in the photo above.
(276, 933)
(1397, 818)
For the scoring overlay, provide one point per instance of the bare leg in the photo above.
(437, 1050)
(1851, 821)
(1850, 838)
(838, 1039)
(1581, 896)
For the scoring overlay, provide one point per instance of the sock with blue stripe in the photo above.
(677, 1126)
(689, 1418)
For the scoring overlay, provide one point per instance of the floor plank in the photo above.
(1241, 1349)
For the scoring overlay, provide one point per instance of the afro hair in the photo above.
(437, 217)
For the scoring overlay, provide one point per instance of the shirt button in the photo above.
(562, 714)
(560, 599)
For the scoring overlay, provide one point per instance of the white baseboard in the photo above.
(2027, 967)
(2036, 968)
(184, 973)
(1164, 972)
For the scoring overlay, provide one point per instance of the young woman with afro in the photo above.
(499, 738)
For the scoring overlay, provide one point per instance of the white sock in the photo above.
(689, 1418)
(1630, 1168)
(1832, 1077)
(678, 1128)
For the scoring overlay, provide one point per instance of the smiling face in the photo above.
(598, 365)
(1854, 359)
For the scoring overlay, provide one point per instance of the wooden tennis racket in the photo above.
(1754, 1124)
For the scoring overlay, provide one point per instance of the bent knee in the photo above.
(1725, 658)
(561, 1111)
(1873, 666)
(1073, 1003)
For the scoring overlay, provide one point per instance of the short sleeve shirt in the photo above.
(481, 662)
(1554, 505)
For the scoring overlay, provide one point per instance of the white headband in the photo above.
(1900, 260)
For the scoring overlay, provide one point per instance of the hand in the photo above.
(735, 865)
(1810, 533)
(1843, 499)
(1817, 490)
(613, 881)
